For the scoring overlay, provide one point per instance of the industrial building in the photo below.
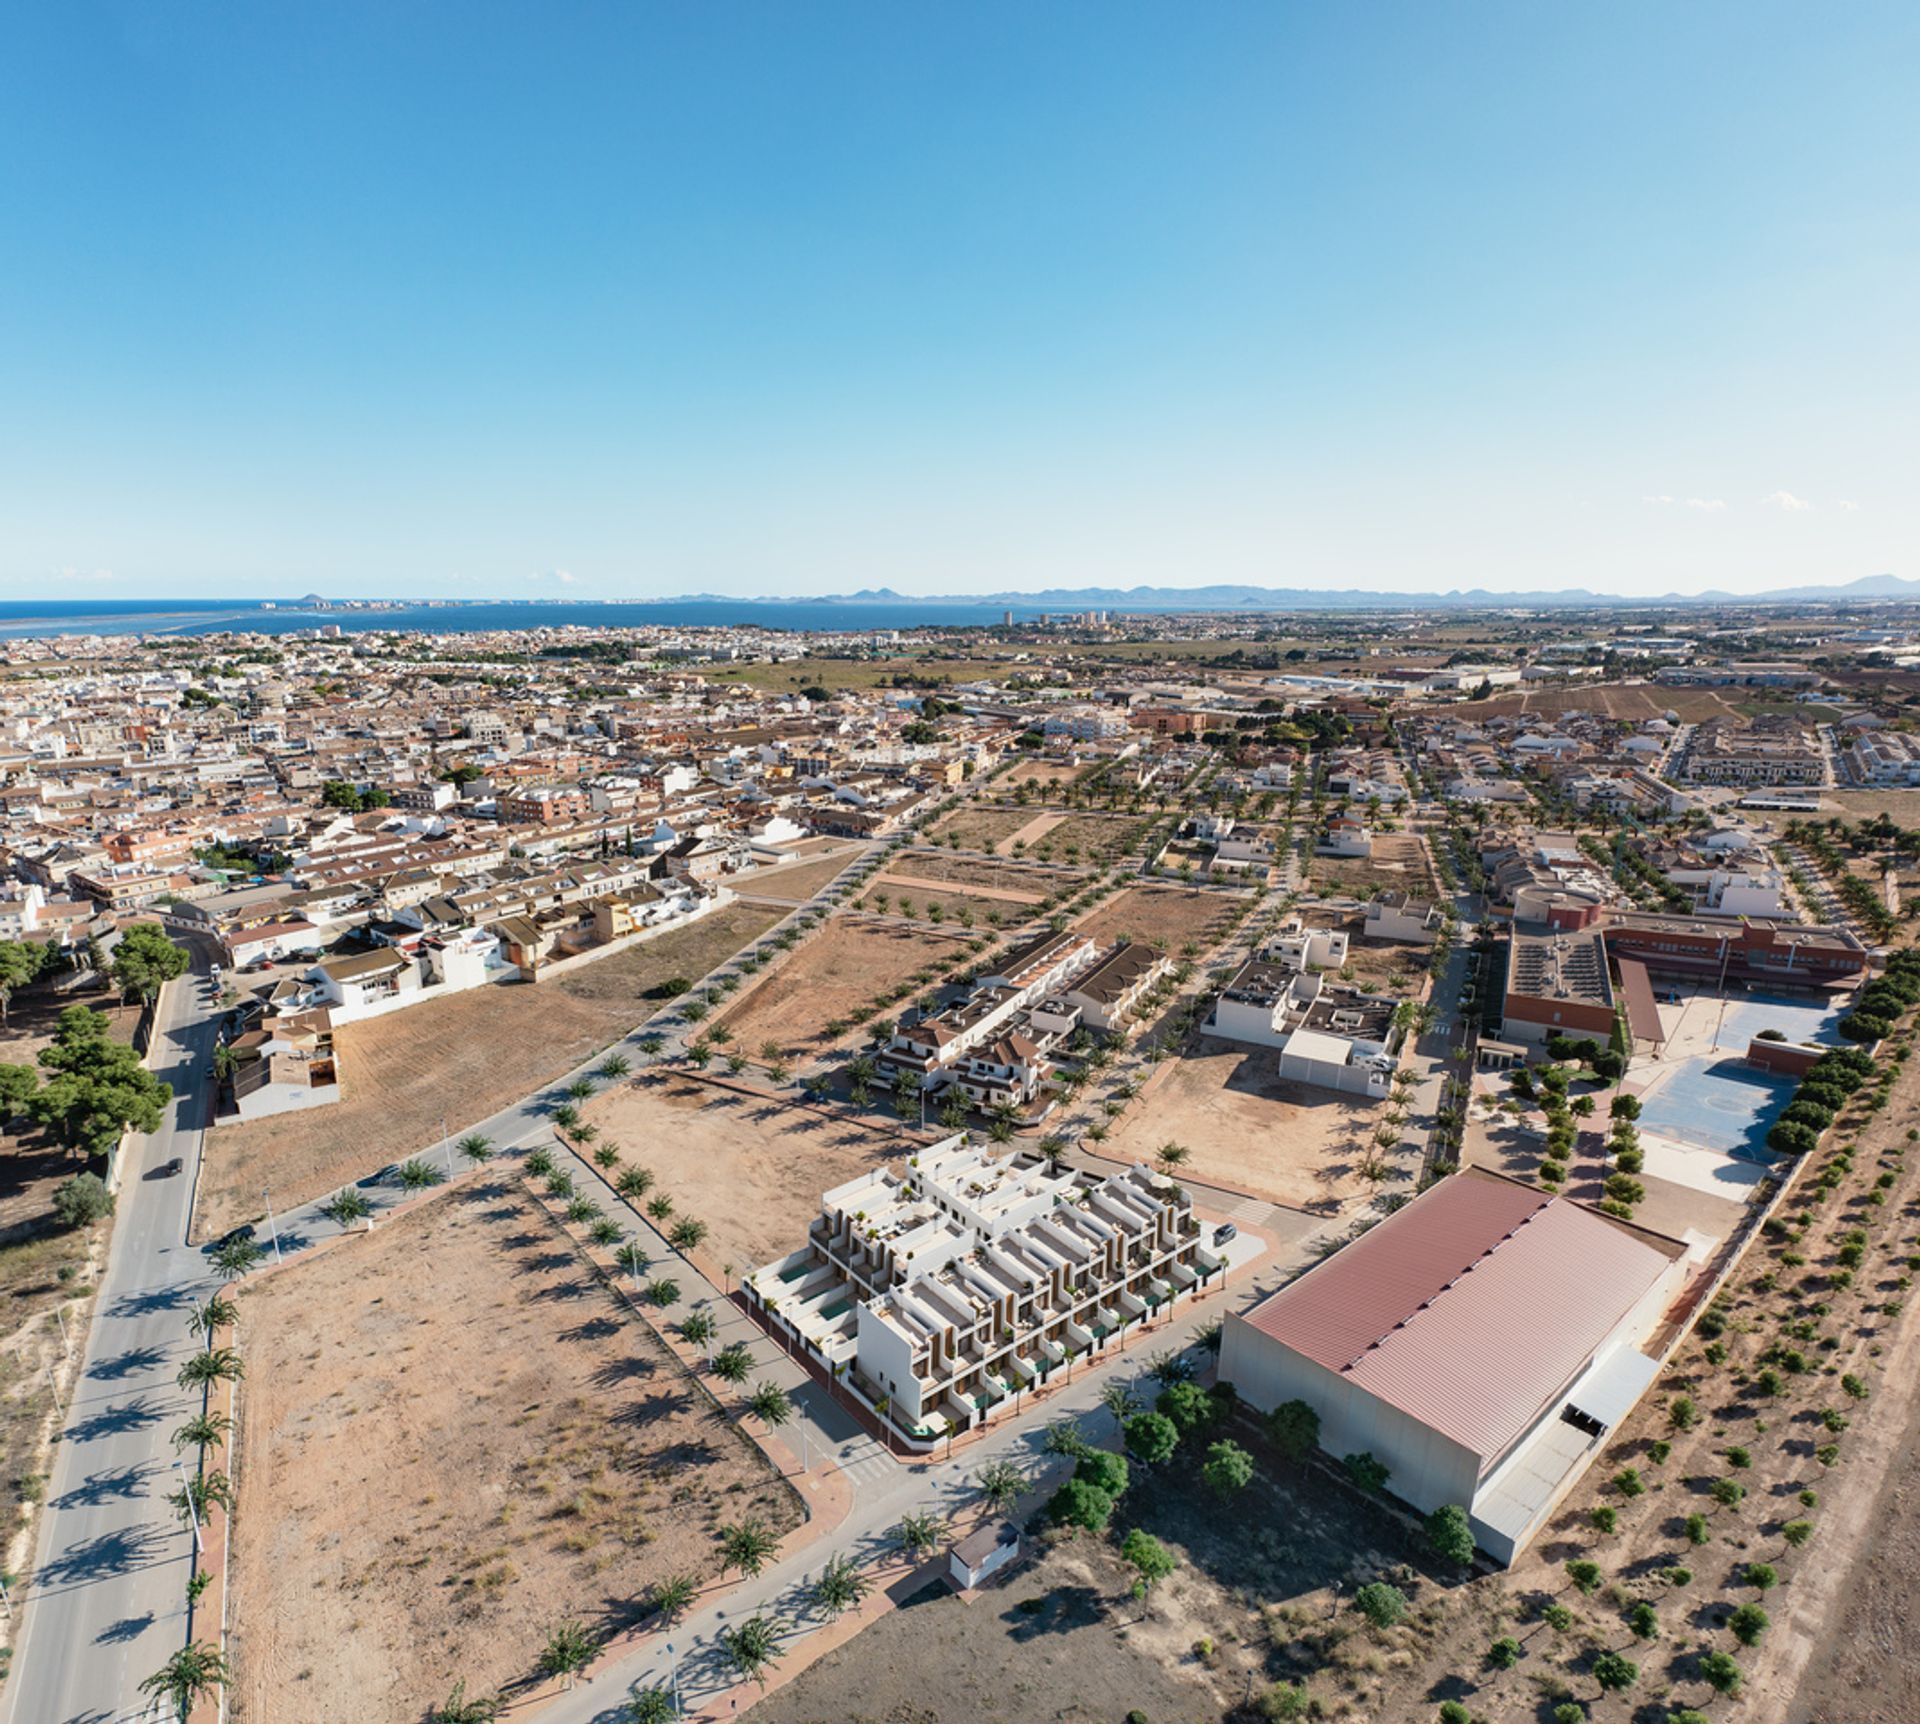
(1480, 1343)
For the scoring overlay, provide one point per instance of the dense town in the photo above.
(1319, 1167)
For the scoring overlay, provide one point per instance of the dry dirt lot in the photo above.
(1285, 1142)
(1164, 916)
(753, 1169)
(1042, 772)
(915, 899)
(1615, 700)
(981, 828)
(459, 1059)
(1399, 860)
(801, 879)
(971, 871)
(32, 1015)
(454, 1437)
(1902, 807)
(844, 965)
(1097, 839)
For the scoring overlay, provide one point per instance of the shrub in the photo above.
(1380, 1604)
(1585, 1575)
(1080, 1504)
(1504, 1653)
(82, 1200)
(1613, 1671)
(1294, 1428)
(1105, 1471)
(1449, 1536)
(1366, 1472)
(1748, 1623)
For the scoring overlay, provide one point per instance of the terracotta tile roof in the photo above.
(1471, 1308)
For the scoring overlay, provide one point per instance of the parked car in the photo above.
(244, 1231)
(381, 1178)
(1225, 1233)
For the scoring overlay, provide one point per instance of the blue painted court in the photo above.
(1799, 1020)
(1721, 1104)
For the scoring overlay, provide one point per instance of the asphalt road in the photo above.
(107, 1603)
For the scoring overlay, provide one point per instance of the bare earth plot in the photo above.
(1163, 916)
(1094, 838)
(453, 1438)
(800, 880)
(1615, 700)
(843, 966)
(981, 828)
(972, 872)
(1399, 861)
(752, 1169)
(1044, 772)
(456, 1060)
(1286, 1142)
(914, 898)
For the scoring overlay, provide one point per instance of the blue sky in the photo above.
(629, 300)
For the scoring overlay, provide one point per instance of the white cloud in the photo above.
(1788, 501)
(564, 577)
(1656, 499)
(1848, 507)
(1708, 503)
(72, 574)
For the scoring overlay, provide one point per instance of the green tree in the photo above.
(1748, 1623)
(1295, 1429)
(1188, 1405)
(235, 1258)
(770, 1404)
(475, 1147)
(203, 1430)
(81, 1201)
(457, 1708)
(1079, 1503)
(1150, 1559)
(1152, 1438)
(1381, 1604)
(346, 1206)
(733, 1363)
(145, 959)
(99, 1088)
(1002, 1484)
(1450, 1535)
(1721, 1673)
(1228, 1468)
(1614, 1671)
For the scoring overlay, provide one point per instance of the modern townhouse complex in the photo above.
(941, 1289)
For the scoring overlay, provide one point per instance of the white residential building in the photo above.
(959, 1281)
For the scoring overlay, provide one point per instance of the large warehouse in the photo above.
(1480, 1343)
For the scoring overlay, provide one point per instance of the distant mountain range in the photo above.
(1869, 588)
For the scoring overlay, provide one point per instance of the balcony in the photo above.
(1079, 1336)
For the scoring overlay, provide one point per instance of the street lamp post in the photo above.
(193, 1512)
(273, 1227)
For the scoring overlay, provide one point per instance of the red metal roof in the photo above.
(1470, 1309)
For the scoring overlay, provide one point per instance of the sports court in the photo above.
(1722, 1104)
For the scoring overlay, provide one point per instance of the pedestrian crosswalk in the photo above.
(864, 1461)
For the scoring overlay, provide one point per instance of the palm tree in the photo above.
(606, 1155)
(216, 1365)
(475, 1147)
(568, 1651)
(633, 1259)
(235, 1258)
(649, 1706)
(188, 1677)
(604, 1231)
(697, 1328)
(219, 1312)
(674, 1596)
(1002, 1484)
(770, 1403)
(203, 1429)
(458, 1709)
(580, 1089)
(1120, 1400)
(733, 1364)
(193, 1499)
(661, 1207)
(919, 1534)
(633, 1182)
(752, 1646)
(346, 1206)
(746, 1545)
(418, 1174)
(538, 1163)
(652, 1042)
(687, 1234)
(841, 1586)
(560, 1187)
(615, 1066)
(663, 1293)
(1171, 1155)
(566, 1116)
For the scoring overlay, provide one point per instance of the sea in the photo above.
(26, 619)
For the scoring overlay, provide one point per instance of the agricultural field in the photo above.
(1165, 916)
(848, 963)
(1290, 1143)
(454, 1437)
(857, 674)
(460, 1060)
(770, 1160)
